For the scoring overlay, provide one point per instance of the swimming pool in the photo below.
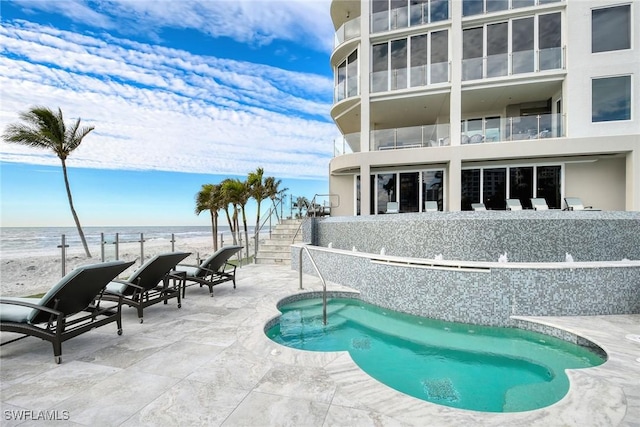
(459, 365)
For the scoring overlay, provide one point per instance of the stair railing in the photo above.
(315, 207)
(268, 217)
(324, 283)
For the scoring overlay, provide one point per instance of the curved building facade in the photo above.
(446, 103)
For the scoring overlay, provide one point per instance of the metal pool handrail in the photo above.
(324, 283)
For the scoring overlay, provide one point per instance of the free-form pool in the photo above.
(460, 365)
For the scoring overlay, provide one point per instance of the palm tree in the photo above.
(273, 191)
(258, 191)
(301, 203)
(238, 195)
(43, 128)
(210, 198)
(231, 194)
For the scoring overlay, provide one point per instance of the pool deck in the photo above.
(209, 363)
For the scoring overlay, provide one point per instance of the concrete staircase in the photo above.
(277, 249)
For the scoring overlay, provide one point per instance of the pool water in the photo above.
(454, 364)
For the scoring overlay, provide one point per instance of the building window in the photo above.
(410, 189)
(549, 42)
(347, 78)
(433, 188)
(611, 99)
(522, 45)
(611, 28)
(472, 53)
(394, 14)
(492, 186)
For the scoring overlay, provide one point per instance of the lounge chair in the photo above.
(213, 270)
(392, 207)
(575, 204)
(478, 207)
(514, 205)
(539, 204)
(431, 206)
(59, 315)
(149, 284)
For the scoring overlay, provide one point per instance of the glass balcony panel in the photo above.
(380, 21)
(439, 10)
(418, 13)
(472, 69)
(550, 59)
(497, 5)
(440, 72)
(409, 137)
(398, 78)
(399, 17)
(353, 142)
(497, 65)
(339, 93)
(352, 86)
(523, 62)
(383, 139)
(419, 76)
(380, 81)
(516, 4)
(352, 29)
(492, 128)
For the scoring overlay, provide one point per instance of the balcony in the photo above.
(349, 30)
(410, 15)
(401, 78)
(346, 89)
(508, 64)
(471, 8)
(497, 129)
(475, 131)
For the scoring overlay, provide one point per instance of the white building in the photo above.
(466, 101)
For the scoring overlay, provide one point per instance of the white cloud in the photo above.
(156, 108)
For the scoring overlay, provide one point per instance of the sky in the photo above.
(181, 93)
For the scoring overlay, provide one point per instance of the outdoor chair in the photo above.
(575, 204)
(149, 284)
(431, 206)
(213, 270)
(539, 204)
(70, 308)
(478, 207)
(514, 205)
(392, 207)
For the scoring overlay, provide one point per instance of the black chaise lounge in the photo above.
(149, 284)
(70, 308)
(213, 270)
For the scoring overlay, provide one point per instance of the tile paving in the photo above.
(209, 363)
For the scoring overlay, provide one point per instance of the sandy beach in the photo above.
(29, 275)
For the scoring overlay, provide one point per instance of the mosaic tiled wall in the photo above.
(525, 236)
(486, 296)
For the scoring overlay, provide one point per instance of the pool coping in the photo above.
(597, 396)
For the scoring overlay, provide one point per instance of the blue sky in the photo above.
(181, 93)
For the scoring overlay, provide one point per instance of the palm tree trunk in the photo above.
(214, 230)
(73, 210)
(246, 232)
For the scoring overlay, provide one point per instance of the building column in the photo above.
(632, 196)
(455, 47)
(454, 184)
(365, 189)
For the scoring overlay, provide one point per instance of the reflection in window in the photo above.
(470, 188)
(439, 56)
(522, 45)
(352, 74)
(432, 187)
(472, 54)
(386, 190)
(379, 15)
(548, 183)
(419, 60)
(472, 7)
(399, 64)
(521, 185)
(611, 99)
(549, 41)
(611, 28)
(409, 192)
(494, 188)
(379, 82)
(497, 49)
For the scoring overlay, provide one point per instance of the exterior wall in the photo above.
(469, 284)
(600, 184)
(343, 184)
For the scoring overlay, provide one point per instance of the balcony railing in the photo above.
(541, 126)
(410, 137)
(490, 6)
(529, 61)
(349, 30)
(409, 16)
(401, 78)
(346, 89)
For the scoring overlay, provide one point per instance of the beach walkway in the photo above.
(210, 363)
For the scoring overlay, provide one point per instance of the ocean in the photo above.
(17, 242)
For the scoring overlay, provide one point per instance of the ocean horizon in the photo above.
(42, 241)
